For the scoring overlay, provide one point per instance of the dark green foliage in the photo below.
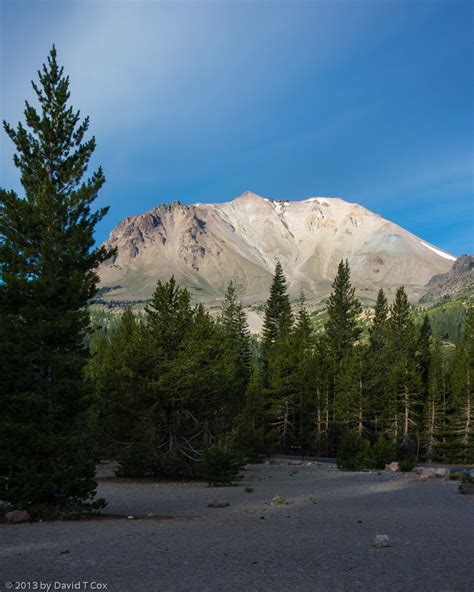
(250, 435)
(278, 320)
(172, 381)
(378, 327)
(423, 353)
(354, 453)
(221, 466)
(344, 367)
(460, 424)
(408, 464)
(165, 386)
(404, 388)
(383, 452)
(447, 320)
(237, 346)
(342, 326)
(47, 261)
(467, 478)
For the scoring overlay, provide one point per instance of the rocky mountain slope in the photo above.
(206, 245)
(457, 283)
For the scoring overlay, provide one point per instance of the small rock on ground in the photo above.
(17, 516)
(217, 504)
(381, 540)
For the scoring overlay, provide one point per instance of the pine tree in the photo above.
(378, 328)
(342, 326)
(434, 405)
(352, 397)
(342, 332)
(423, 354)
(461, 420)
(404, 385)
(236, 336)
(118, 369)
(378, 363)
(47, 261)
(251, 435)
(278, 320)
(305, 380)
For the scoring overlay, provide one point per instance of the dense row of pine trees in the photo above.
(175, 389)
(175, 381)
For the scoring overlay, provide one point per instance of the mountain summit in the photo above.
(206, 245)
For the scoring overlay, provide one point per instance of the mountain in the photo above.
(206, 245)
(456, 284)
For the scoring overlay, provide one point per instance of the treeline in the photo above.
(176, 382)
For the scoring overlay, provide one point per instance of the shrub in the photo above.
(407, 465)
(354, 453)
(407, 454)
(221, 466)
(383, 452)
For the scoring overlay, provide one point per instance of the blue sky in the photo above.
(371, 101)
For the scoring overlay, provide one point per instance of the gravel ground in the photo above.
(320, 541)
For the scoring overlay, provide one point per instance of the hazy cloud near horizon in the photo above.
(199, 101)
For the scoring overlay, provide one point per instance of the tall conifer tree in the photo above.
(404, 384)
(461, 419)
(342, 332)
(342, 326)
(278, 319)
(378, 328)
(47, 261)
(237, 336)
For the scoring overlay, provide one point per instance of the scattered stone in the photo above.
(471, 473)
(279, 501)
(466, 488)
(217, 504)
(17, 516)
(418, 470)
(130, 517)
(443, 473)
(427, 474)
(393, 467)
(295, 462)
(381, 540)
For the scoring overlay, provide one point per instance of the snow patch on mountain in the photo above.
(438, 252)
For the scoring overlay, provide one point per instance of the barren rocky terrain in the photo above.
(206, 245)
(318, 537)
